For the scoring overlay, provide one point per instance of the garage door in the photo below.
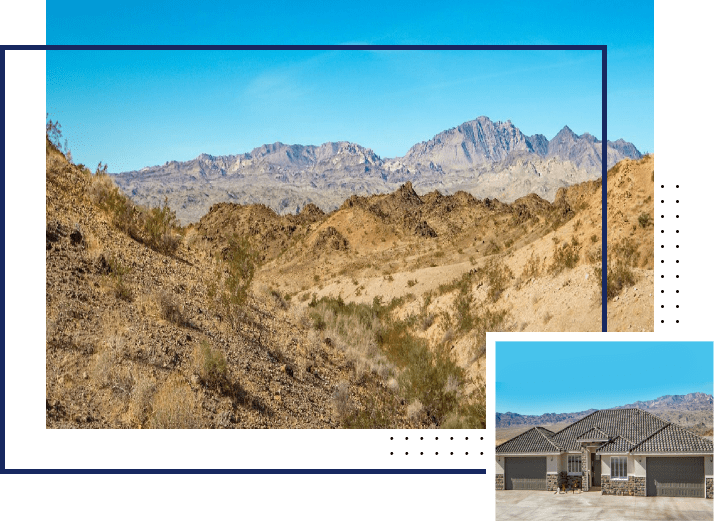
(526, 473)
(678, 477)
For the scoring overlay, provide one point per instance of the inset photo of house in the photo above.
(608, 431)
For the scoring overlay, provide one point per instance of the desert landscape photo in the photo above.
(326, 286)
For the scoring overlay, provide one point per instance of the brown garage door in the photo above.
(526, 473)
(676, 477)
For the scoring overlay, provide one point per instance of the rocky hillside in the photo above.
(371, 316)
(484, 158)
(153, 326)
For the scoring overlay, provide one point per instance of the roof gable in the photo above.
(593, 434)
(618, 444)
(631, 423)
(674, 438)
(536, 439)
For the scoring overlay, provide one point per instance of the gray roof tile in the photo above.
(593, 433)
(537, 439)
(633, 429)
(618, 444)
(674, 438)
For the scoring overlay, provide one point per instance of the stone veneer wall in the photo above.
(500, 482)
(552, 481)
(618, 487)
(585, 471)
(709, 491)
(640, 485)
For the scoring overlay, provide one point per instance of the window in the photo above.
(574, 464)
(619, 467)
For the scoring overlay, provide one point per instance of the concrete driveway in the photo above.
(533, 505)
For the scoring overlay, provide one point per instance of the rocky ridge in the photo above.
(484, 158)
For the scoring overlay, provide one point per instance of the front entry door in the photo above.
(596, 470)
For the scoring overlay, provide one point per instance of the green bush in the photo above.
(644, 220)
(159, 225)
(211, 365)
(118, 271)
(238, 264)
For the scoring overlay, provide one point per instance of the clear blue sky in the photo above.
(138, 108)
(535, 378)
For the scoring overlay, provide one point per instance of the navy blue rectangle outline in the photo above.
(602, 48)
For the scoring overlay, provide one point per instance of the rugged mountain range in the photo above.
(485, 158)
(668, 405)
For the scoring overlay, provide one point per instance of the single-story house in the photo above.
(625, 451)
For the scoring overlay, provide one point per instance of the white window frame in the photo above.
(617, 466)
(569, 470)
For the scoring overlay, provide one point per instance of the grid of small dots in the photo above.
(451, 438)
(676, 261)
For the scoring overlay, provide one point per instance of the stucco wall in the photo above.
(606, 466)
(552, 464)
(640, 466)
(499, 464)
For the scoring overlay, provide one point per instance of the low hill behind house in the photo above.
(694, 411)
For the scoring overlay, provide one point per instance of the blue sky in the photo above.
(139, 108)
(535, 378)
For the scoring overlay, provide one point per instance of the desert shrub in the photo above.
(496, 276)
(412, 282)
(159, 225)
(170, 310)
(211, 365)
(236, 269)
(488, 321)
(577, 224)
(644, 220)
(117, 274)
(280, 301)
(173, 406)
(471, 412)
(53, 132)
(465, 319)
(124, 215)
(532, 268)
(565, 256)
(623, 258)
(141, 401)
(107, 369)
(342, 403)
(594, 238)
(415, 412)
(427, 376)
(594, 255)
(427, 321)
(378, 410)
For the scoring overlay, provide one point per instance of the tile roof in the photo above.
(631, 423)
(536, 439)
(593, 434)
(618, 444)
(631, 429)
(674, 438)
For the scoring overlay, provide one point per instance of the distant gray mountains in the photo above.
(673, 408)
(485, 158)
